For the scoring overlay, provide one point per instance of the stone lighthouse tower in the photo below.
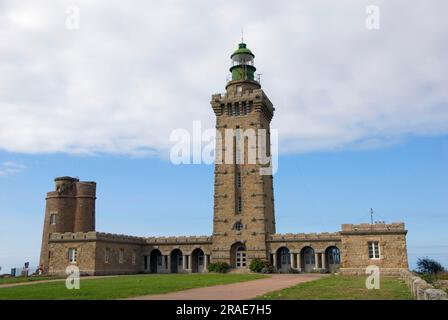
(243, 196)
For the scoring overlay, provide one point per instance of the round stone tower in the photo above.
(70, 208)
(85, 206)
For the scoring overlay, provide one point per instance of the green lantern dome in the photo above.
(242, 63)
(242, 50)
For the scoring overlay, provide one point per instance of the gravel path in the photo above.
(236, 291)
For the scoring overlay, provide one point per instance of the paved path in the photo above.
(27, 283)
(236, 291)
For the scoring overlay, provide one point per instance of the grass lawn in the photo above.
(122, 286)
(343, 288)
(24, 279)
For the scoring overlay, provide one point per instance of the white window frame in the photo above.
(72, 255)
(376, 250)
(53, 221)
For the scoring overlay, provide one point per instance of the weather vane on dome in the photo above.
(242, 36)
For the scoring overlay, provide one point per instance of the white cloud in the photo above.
(134, 72)
(8, 168)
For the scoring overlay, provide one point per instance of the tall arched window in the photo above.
(285, 257)
(334, 256)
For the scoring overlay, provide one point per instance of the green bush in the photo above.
(219, 267)
(261, 266)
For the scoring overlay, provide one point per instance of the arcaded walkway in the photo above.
(236, 291)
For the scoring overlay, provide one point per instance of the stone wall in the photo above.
(58, 257)
(355, 250)
(420, 289)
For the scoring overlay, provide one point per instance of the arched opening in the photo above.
(176, 261)
(308, 259)
(283, 259)
(333, 255)
(238, 255)
(197, 261)
(155, 261)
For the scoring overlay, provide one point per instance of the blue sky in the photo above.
(314, 192)
(95, 88)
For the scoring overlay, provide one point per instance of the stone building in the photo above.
(244, 217)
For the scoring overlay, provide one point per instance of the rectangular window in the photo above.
(238, 180)
(236, 109)
(248, 109)
(374, 250)
(239, 146)
(239, 205)
(244, 107)
(134, 257)
(72, 255)
(107, 255)
(121, 256)
(53, 218)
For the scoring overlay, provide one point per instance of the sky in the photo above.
(93, 89)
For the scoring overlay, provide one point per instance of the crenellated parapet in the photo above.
(179, 240)
(255, 96)
(324, 236)
(102, 236)
(376, 228)
(94, 236)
